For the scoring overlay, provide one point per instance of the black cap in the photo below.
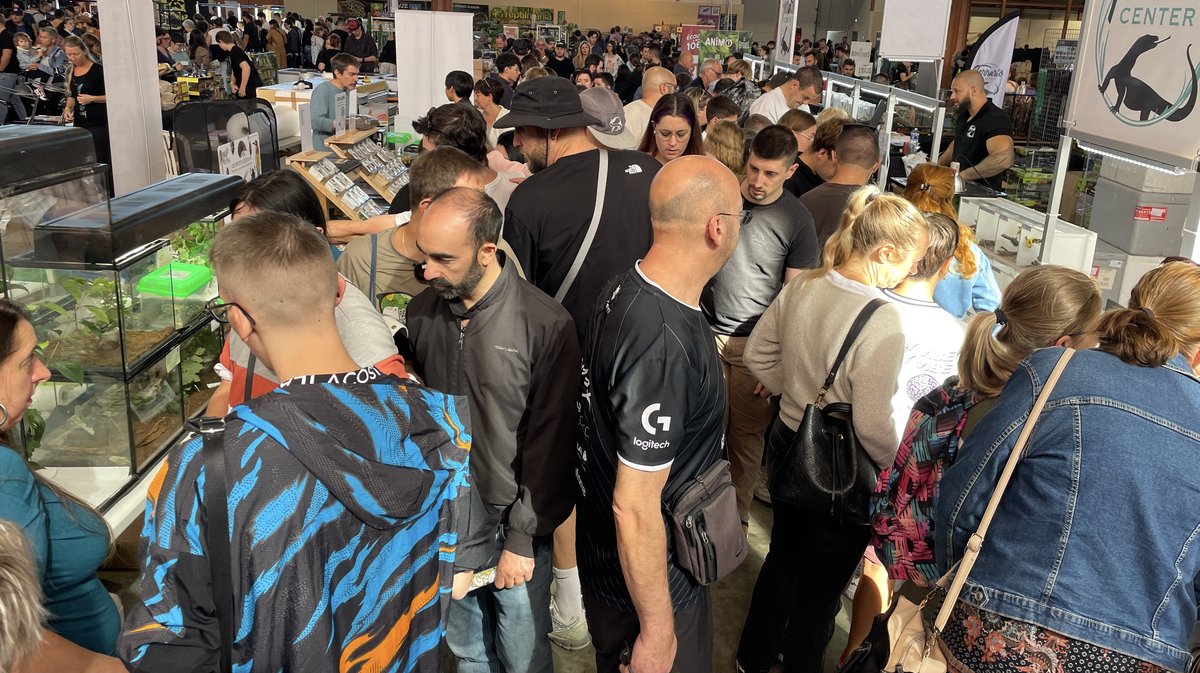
(546, 103)
(561, 44)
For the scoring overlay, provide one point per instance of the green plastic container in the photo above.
(177, 279)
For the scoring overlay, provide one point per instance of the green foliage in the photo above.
(198, 355)
(35, 429)
(191, 245)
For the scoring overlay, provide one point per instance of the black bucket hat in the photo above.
(546, 103)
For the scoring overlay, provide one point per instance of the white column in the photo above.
(1191, 226)
(131, 87)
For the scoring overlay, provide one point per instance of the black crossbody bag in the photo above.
(824, 468)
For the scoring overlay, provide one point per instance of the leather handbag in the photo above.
(903, 640)
(824, 468)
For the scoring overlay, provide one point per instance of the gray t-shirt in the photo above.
(780, 236)
(827, 202)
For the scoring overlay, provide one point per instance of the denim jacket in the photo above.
(1096, 535)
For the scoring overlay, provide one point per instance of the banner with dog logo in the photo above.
(993, 54)
(1135, 81)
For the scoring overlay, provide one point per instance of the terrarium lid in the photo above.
(32, 151)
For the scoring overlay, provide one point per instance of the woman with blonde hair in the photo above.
(700, 99)
(726, 143)
(534, 73)
(581, 54)
(1043, 307)
(1090, 559)
(970, 286)
(880, 241)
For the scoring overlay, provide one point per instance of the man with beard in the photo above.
(568, 241)
(483, 332)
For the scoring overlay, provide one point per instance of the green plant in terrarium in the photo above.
(191, 245)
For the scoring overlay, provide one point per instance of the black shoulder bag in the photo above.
(216, 531)
(824, 468)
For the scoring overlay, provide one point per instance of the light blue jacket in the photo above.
(1097, 535)
(959, 296)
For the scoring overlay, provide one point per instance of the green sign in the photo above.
(521, 15)
(721, 43)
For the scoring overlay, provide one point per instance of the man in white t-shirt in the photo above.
(932, 336)
(803, 89)
(657, 83)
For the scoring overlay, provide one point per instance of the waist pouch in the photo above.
(706, 527)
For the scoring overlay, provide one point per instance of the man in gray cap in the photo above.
(612, 132)
(580, 219)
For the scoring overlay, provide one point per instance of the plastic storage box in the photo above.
(1141, 223)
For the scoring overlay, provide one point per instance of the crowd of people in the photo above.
(479, 423)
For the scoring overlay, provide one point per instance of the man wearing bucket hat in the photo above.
(580, 219)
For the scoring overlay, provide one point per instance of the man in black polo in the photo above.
(362, 46)
(983, 144)
(651, 413)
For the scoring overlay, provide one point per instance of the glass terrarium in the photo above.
(116, 291)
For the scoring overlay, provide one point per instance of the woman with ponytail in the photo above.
(878, 244)
(1044, 306)
(68, 540)
(1091, 559)
(970, 285)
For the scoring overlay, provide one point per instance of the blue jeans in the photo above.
(508, 631)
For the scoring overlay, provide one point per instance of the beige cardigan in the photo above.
(794, 344)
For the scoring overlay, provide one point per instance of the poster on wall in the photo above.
(1135, 81)
(785, 32)
(353, 7)
(521, 15)
(689, 40)
(992, 56)
(512, 32)
(906, 34)
(708, 15)
(860, 53)
(721, 43)
(241, 157)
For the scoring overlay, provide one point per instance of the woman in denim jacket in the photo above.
(1092, 560)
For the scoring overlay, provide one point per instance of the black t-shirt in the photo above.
(654, 399)
(549, 213)
(6, 43)
(803, 180)
(563, 68)
(971, 135)
(236, 58)
(780, 236)
(253, 39)
(401, 202)
(93, 115)
(326, 56)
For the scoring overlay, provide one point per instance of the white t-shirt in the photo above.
(637, 117)
(771, 105)
(932, 340)
(502, 187)
(495, 133)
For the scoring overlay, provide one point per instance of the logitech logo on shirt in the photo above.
(633, 169)
(663, 421)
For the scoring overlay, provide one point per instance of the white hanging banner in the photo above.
(860, 53)
(785, 32)
(914, 30)
(992, 56)
(1135, 81)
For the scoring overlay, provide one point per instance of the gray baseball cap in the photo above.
(612, 132)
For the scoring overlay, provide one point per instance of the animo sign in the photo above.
(721, 43)
(1136, 78)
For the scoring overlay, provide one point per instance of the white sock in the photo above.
(569, 597)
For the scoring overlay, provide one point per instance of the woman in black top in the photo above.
(243, 77)
(87, 106)
(333, 46)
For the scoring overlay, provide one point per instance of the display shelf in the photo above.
(302, 163)
(381, 170)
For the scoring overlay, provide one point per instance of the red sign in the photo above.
(1150, 214)
(690, 40)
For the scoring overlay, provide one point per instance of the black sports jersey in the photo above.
(653, 399)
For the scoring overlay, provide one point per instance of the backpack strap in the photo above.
(217, 530)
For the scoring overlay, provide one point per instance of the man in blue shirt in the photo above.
(324, 97)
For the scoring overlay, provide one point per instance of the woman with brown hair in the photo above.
(1090, 559)
(674, 130)
(68, 538)
(970, 286)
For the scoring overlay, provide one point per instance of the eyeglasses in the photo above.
(219, 309)
(666, 135)
(744, 216)
(670, 87)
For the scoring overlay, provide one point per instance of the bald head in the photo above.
(656, 83)
(967, 90)
(689, 191)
